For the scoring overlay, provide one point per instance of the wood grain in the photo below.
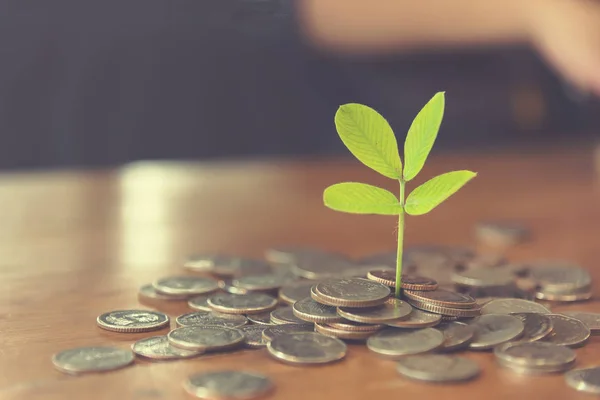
(76, 244)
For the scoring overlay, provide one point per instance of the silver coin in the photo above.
(185, 285)
(509, 306)
(484, 277)
(253, 335)
(262, 282)
(437, 368)
(306, 348)
(261, 319)
(159, 348)
(91, 359)
(395, 343)
(200, 303)
(224, 265)
(456, 335)
(417, 319)
(205, 338)
(148, 292)
(591, 320)
(285, 315)
(567, 331)
(294, 292)
(309, 310)
(559, 276)
(535, 356)
(584, 380)
(228, 385)
(201, 318)
(353, 292)
(392, 309)
(132, 321)
(271, 332)
(251, 303)
(537, 326)
(494, 329)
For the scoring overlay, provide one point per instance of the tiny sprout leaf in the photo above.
(422, 134)
(360, 198)
(433, 192)
(369, 138)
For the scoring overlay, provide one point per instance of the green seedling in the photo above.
(371, 140)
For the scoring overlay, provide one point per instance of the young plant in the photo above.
(371, 140)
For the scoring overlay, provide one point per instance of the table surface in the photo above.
(76, 244)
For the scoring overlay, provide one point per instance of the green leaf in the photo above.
(430, 194)
(370, 138)
(422, 134)
(360, 198)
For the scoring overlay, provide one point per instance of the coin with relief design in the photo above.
(442, 298)
(306, 348)
(132, 321)
(353, 292)
(537, 326)
(211, 318)
(394, 343)
(590, 319)
(309, 310)
(251, 303)
(567, 331)
(205, 338)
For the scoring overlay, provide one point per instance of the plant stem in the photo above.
(399, 255)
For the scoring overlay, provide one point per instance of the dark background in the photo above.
(93, 84)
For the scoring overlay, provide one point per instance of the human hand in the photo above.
(567, 34)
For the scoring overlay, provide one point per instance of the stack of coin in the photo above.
(350, 308)
(447, 303)
(561, 281)
(535, 358)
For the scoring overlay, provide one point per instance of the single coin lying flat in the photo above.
(306, 348)
(394, 343)
(251, 303)
(92, 359)
(438, 368)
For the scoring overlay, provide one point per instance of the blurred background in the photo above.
(96, 84)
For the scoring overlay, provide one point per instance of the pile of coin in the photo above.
(302, 305)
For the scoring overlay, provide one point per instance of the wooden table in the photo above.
(76, 244)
